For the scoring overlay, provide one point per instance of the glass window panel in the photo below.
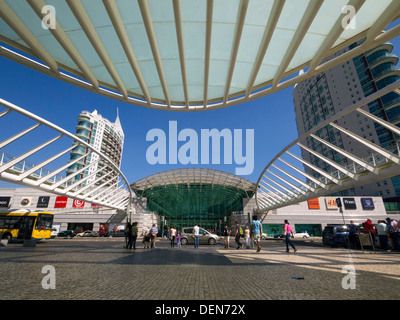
(225, 11)
(129, 11)
(149, 73)
(221, 41)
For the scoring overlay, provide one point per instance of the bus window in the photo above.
(10, 222)
(44, 222)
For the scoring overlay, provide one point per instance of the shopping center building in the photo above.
(184, 197)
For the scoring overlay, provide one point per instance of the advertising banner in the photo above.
(61, 202)
(4, 202)
(78, 203)
(367, 203)
(331, 203)
(26, 202)
(43, 202)
(349, 203)
(313, 204)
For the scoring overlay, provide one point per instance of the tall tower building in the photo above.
(330, 92)
(103, 136)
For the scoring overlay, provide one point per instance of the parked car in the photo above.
(335, 235)
(204, 236)
(301, 234)
(119, 233)
(279, 236)
(263, 236)
(88, 233)
(67, 233)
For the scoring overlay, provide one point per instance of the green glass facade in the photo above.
(186, 204)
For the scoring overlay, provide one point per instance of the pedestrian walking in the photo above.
(238, 235)
(153, 235)
(369, 228)
(247, 237)
(134, 234)
(227, 234)
(172, 236)
(128, 236)
(196, 233)
(256, 232)
(383, 235)
(146, 240)
(288, 232)
(178, 239)
(353, 231)
(390, 231)
(396, 234)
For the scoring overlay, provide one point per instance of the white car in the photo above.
(54, 233)
(88, 233)
(301, 234)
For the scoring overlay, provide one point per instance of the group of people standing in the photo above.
(149, 237)
(387, 231)
(255, 234)
(174, 235)
(131, 234)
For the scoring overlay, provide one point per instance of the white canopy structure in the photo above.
(46, 171)
(289, 179)
(193, 54)
(190, 55)
(199, 176)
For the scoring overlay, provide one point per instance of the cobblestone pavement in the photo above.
(103, 269)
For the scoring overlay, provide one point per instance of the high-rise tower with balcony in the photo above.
(105, 137)
(330, 92)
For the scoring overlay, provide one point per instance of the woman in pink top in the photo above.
(287, 231)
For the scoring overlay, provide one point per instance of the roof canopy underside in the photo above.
(184, 55)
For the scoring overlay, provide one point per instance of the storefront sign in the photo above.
(331, 203)
(61, 202)
(4, 202)
(26, 202)
(313, 204)
(78, 203)
(349, 203)
(43, 202)
(367, 203)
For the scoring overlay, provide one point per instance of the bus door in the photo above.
(26, 227)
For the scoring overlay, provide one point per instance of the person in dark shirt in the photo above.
(227, 233)
(353, 230)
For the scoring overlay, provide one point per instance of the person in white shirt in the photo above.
(196, 232)
(381, 228)
(172, 236)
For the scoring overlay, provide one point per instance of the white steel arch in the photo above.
(109, 187)
(189, 55)
(289, 179)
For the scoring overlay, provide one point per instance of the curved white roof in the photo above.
(186, 55)
(194, 176)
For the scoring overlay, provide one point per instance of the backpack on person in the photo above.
(241, 231)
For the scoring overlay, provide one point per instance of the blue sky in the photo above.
(272, 118)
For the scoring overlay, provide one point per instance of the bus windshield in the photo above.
(44, 222)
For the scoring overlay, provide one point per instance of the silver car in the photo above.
(204, 236)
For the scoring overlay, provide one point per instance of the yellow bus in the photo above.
(25, 224)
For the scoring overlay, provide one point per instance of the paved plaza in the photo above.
(101, 268)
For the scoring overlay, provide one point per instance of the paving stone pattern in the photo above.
(93, 269)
